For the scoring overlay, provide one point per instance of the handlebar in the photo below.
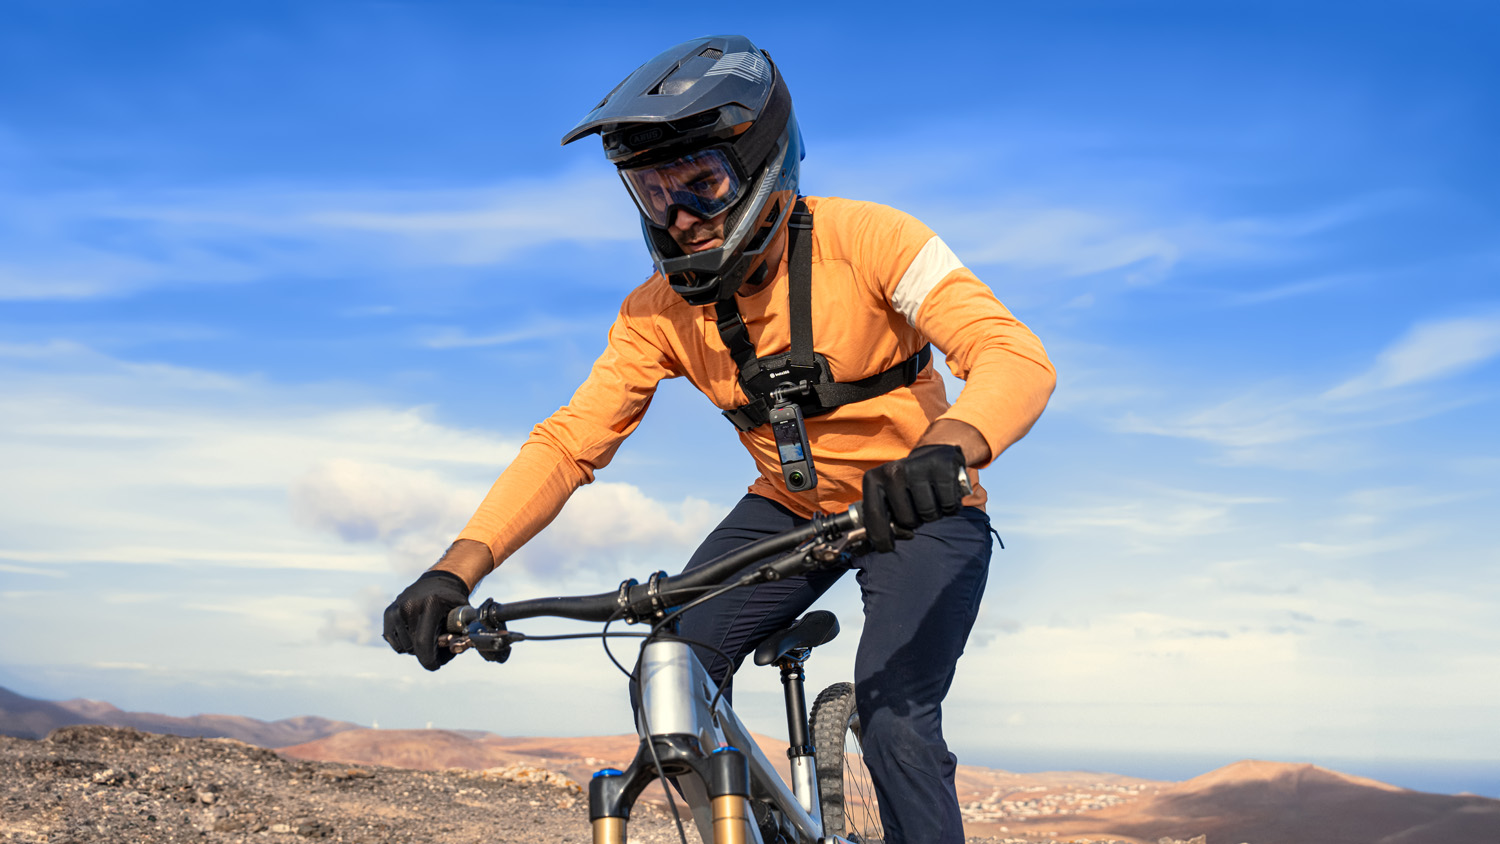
(826, 541)
(637, 599)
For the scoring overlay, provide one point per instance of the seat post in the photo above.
(799, 740)
(792, 679)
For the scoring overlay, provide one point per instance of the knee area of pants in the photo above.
(891, 736)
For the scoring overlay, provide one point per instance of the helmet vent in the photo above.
(681, 77)
(768, 225)
(712, 53)
(696, 121)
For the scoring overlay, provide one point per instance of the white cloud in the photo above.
(31, 570)
(415, 515)
(488, 225)
(1052, 224)
(1263, 417)
(369, 501)
(1427, 352)
(1294, 289)
(111, 461)
(359, 621)
(1070, 241)
(606, 514)
(456, 338)
(1172, 670)
(1149, 518)
(234, 235)
(1264, 423)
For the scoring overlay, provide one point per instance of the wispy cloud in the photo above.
(457, 338)
(1271, 416)
(1295, 289)
(84, 245)
(1051, 223)
(1151, 515)
(1428, 352)
(1069, 241)
(1086, 237)
(31, 570)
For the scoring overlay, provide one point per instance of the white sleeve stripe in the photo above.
(932, 265)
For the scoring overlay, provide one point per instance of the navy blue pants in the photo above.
(920, 602)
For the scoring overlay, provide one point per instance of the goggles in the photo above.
(703, 183)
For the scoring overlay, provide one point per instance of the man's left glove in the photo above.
(903, 494)
(420, 614)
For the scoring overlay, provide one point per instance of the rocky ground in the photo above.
(105, 784)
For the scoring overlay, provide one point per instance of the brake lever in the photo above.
(493, 645)
(828, 553)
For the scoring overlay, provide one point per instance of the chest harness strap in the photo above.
(799, 376)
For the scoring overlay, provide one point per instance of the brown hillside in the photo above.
(26, 717)
(1279, 803)
(437, 750)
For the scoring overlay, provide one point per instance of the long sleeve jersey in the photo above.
(883, 285)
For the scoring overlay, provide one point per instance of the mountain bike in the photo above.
(690, 735)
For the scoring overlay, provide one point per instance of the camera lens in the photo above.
(796, 479)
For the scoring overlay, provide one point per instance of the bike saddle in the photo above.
(816, 628)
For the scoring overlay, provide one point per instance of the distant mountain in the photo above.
(26, 717)
(1259, 801)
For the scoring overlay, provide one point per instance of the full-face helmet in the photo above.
(707, 126)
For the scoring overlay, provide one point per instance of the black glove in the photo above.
(900, 495)
(420, 614)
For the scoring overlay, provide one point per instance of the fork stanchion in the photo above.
(609, 828)
(729, 787)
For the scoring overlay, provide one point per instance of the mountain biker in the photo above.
(705, 139)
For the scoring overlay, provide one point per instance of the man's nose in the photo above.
(682, 219)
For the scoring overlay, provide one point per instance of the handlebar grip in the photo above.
(459, 618)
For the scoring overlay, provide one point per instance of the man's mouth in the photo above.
(700, 245)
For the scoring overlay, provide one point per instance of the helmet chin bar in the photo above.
(703, 277)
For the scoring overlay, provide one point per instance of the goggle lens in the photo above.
(703, 183)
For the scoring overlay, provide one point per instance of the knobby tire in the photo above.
(844, 786)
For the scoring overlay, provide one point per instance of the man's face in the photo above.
(695, 234)
(702, 182)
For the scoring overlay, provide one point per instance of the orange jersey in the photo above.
(883, 285)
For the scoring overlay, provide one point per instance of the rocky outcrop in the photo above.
(106, 784)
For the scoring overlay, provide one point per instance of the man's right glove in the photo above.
(903, 494)
(420, 614)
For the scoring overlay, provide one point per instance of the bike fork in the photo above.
(728, 777)
(729, 786)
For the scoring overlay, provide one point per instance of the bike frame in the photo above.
(677, 722)
(688, 731)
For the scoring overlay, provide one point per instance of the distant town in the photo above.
(1005, 804)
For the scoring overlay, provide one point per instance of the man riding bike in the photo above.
(807, 321)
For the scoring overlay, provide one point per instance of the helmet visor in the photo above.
(703, 183)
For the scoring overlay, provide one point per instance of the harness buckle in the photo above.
(741, 420)
(913, 366)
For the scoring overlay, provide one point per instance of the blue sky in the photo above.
(284, 285)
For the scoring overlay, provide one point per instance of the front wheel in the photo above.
(844, 786)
